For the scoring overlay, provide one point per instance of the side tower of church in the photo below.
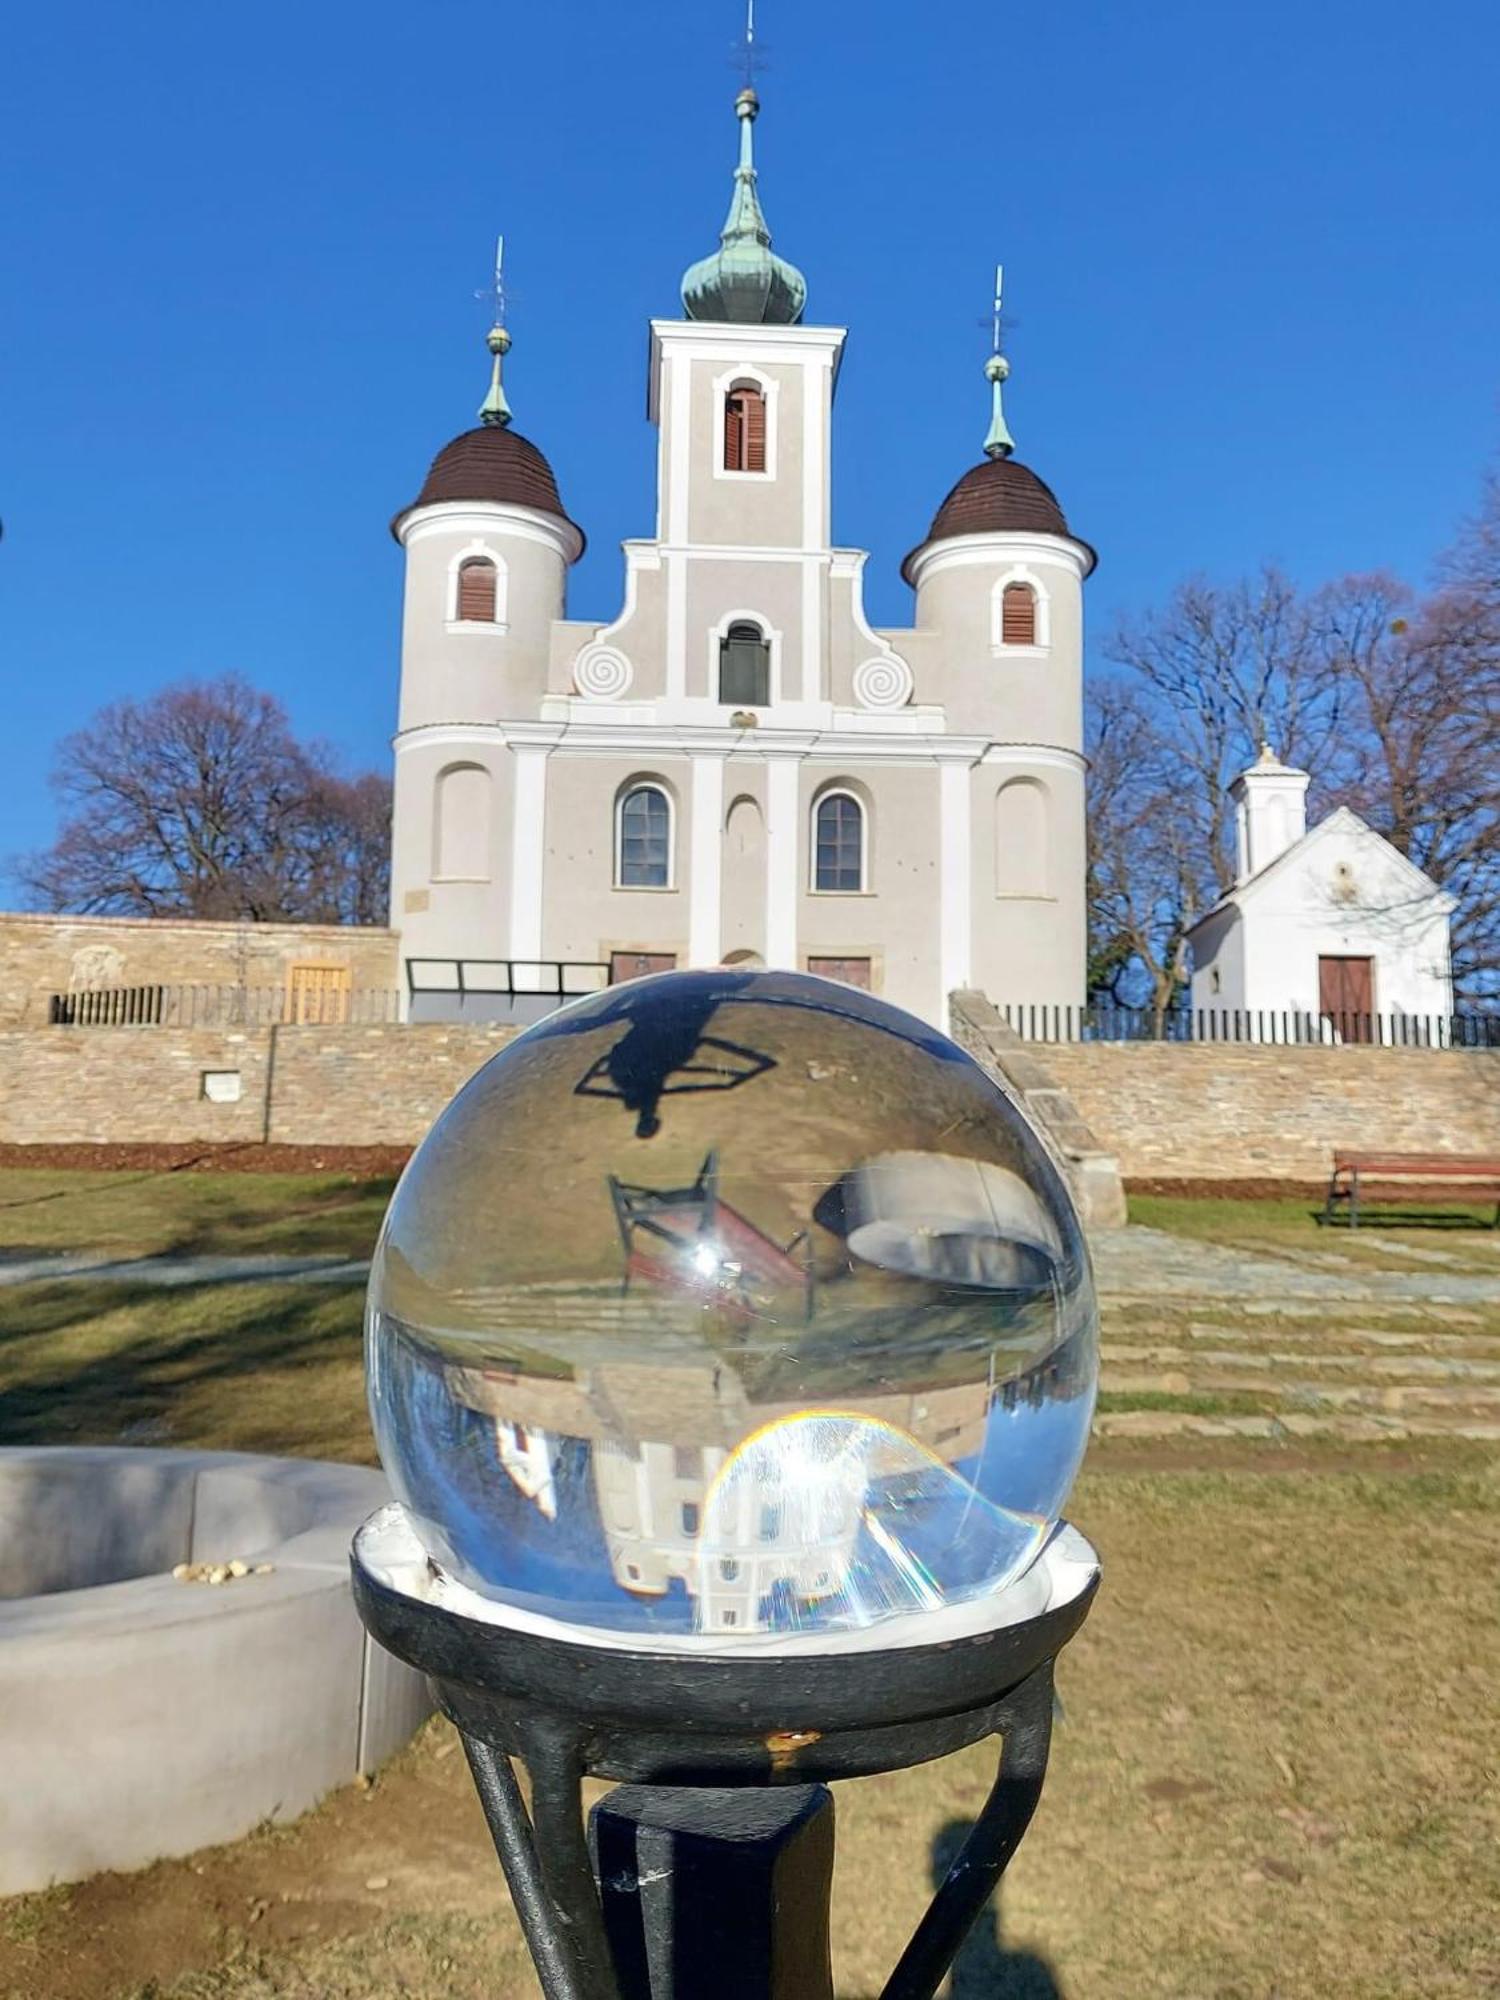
(738, 767)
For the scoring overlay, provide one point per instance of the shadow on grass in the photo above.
(1373, 1215)
(244, 1367)
(984, 1969)
(172, 1211)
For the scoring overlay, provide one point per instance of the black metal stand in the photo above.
(704, 1883)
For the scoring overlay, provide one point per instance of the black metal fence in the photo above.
(221, 1007)
(1108, 1023)
(498, 990)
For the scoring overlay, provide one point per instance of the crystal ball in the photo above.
(731, 1304)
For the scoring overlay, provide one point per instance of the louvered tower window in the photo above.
(745, 429)
(744, 667)
(1018, 615)
(476, 591)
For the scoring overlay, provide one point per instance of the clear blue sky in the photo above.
(1251, 252)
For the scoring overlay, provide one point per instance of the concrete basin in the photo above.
(142, 1716)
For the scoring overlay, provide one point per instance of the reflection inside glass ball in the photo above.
(731, 1303)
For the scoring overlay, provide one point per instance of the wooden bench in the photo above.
(1353, 1173)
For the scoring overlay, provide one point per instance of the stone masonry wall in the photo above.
(1204, 1113)
(375, 1086)
(41, 955)
(65, 1086)
(380, 1086)
(1220, 1111)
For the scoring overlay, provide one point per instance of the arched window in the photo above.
(745, 428)
(1018, 615)
(744, 667)
(839, 844)
(643, 839)
(476, 591)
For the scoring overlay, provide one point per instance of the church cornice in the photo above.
(837, 744)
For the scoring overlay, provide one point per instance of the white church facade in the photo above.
(1331, 932)
(737, 767)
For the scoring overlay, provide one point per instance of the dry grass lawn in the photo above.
(1276, 1776)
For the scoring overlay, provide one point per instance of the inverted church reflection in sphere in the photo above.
(732, 1303)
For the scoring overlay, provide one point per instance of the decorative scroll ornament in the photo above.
(602, 674)
(884, 682)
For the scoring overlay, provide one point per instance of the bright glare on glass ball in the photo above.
(732, 1303)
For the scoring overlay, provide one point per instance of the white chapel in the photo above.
(737, 767)
(1330, 931)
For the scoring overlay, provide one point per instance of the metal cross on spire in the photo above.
(999, 443)
(750, 53)
(495, 410)
(498, 288)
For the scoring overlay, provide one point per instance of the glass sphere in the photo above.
(731, 1303)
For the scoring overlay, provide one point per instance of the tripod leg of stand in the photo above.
(716, 1895)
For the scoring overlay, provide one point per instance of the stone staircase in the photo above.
(1092, 1173)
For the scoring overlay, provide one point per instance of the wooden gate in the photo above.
(317, 996)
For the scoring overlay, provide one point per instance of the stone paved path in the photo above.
(98, 1268)
(1150, 1264)
(1199, 1340)
(1315, 1345)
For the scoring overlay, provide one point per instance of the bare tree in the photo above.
(1419, 753)
(1224, 670)
(1144, 861)
(1391, 700)
(199, 802)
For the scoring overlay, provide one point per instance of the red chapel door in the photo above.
(1346, 996)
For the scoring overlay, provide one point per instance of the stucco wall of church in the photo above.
(432, 905)
(1016, 694)
(1029, 872)
(895, 922)
(43, 954)
(762, 510)
(584, 917)
(716, 591)
(477, 673)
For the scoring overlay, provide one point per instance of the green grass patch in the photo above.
(1114, 1402)
(258, 1367)
(1458, 1232)
(189, 1214)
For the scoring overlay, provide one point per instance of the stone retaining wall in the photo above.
(1213, 1112)
(1219, 1111)
(296, 1086)
(380, 1086)
(42, 954)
